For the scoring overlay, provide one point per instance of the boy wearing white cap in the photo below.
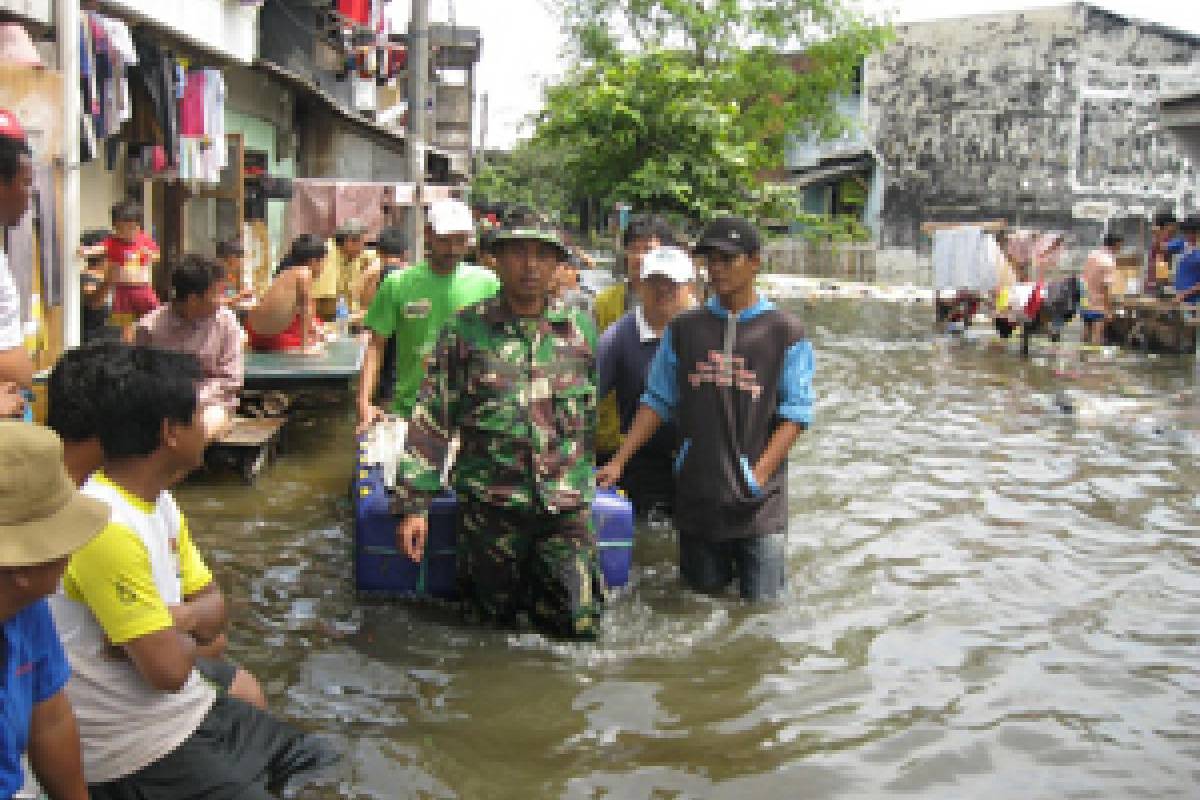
(43, 519)
(413, 305)
(623, 359)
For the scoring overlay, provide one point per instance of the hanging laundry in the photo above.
(964, 258)
(356, 10)
(202, 150)
(155, 110)
(106, 52)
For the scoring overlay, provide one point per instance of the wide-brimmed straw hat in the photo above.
(43, 517)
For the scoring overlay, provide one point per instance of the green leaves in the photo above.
(685, 105)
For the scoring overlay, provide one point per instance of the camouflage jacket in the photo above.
(521, 393)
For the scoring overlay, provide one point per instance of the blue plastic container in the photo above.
(381, 570)
(612, 517)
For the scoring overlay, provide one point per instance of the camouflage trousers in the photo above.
(542, 564)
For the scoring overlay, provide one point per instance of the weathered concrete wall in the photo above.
(333, 148)
(1023, 116)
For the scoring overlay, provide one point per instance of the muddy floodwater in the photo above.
(993, 593)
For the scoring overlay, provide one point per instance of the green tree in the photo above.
(683, 105)
(529, 175)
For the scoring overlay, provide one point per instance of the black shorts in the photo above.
(217, 671)
(237, 753)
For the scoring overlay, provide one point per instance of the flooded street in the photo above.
(990, 597)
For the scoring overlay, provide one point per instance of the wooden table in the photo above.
(1155, 324)
(334, 367)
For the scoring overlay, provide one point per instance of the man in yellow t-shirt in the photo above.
(347, 260)
(643, 233)
(142, 619)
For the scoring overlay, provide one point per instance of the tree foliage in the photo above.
(529, 175)
(683, 105)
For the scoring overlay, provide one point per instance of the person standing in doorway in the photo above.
(130, 256)
(736, 377)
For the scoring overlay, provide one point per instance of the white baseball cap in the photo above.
(450, 216)
(669, 261)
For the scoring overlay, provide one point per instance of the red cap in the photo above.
(9, 126)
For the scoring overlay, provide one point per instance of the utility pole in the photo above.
(418, 91)
(483, 132)
(67, 27)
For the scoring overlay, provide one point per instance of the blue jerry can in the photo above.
(612, 518)
(381, 570)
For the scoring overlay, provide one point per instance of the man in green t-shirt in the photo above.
(412, 306)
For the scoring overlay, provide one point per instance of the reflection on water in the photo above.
(993, 595)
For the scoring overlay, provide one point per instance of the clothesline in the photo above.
(170, 114)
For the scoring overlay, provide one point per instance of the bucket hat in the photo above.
(43, 517)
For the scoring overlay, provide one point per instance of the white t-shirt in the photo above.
(118, 588)
(10, 308)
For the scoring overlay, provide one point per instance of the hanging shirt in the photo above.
(191, 107)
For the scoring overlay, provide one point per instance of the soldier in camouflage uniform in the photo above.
(515, 377)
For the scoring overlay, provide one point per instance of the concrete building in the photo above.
(1044, 118)
(1180, 114)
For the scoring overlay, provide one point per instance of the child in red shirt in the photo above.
(130, 254)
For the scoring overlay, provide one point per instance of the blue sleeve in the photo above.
(51, 669)
(795, 384)
(607, 356)
(662, 385)
(1176, 246)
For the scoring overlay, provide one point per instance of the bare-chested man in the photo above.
(285, 318)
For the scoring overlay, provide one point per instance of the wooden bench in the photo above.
(249, 445)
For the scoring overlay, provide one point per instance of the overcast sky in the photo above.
(522, 43)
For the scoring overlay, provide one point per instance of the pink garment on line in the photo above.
(318, 207)
(191, 107)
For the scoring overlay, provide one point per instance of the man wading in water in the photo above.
(514, 376)
(412, 305)
(736, 376)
